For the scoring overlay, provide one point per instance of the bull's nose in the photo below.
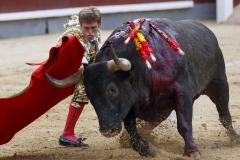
(111, 132)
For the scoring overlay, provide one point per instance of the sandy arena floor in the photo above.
(39, 140)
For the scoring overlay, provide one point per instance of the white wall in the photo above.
(107, 9)
(224, 9)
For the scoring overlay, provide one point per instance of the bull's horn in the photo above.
(72, 79)
(118, 63)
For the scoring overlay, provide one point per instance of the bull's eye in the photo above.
(111, 90)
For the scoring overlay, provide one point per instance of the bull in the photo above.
(122, 88)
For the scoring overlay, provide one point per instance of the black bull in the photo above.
(174, 82)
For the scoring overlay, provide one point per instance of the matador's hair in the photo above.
(90, 14)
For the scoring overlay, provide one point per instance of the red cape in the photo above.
(39, 96)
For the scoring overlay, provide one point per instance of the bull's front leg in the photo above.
(184, 110)
(140, 145)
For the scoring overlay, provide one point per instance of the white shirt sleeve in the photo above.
(84, 60)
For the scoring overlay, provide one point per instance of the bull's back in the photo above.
(204, 59)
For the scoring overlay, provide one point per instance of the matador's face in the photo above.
(89, 29)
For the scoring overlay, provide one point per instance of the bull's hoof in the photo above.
(153, 150)
(195, 156)
(144, 148)
(124, 140)
(234, 139)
